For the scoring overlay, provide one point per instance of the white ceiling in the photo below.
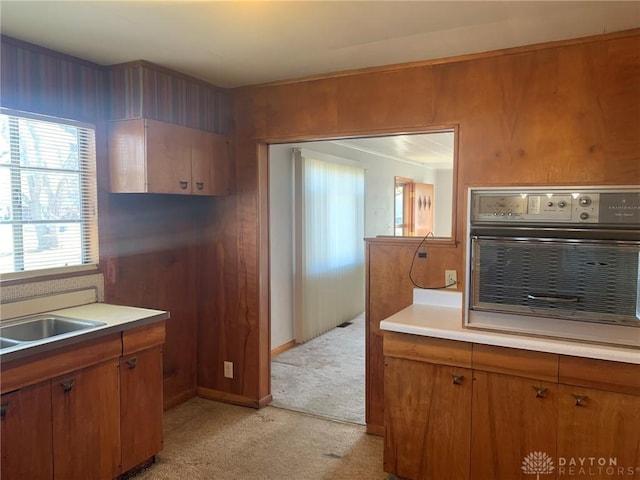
(239, 43)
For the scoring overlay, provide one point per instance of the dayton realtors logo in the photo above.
(537, 463)
(540, 463)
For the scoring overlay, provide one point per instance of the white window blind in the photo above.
(48, 205)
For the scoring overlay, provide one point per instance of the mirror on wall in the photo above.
(409, 182)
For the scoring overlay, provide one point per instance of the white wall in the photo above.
(379, 215)
(281, 243)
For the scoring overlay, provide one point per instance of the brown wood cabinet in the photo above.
(149, 156)
(141, 406)
(86, 426)
(25, 433)
(91, 410)
(520, 404)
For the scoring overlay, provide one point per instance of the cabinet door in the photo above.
(168, 158)
(141, 406)
(427, 412)
(25, 434)
(514, 420)
(210, 164)
(86, 423)
(598, 434)
(201, 162)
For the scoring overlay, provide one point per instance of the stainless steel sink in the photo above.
(6, 343)
(42, 327)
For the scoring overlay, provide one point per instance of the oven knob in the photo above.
(562, 204)
(550, 204)
(584, 216)
(585, 201)
(502, 214)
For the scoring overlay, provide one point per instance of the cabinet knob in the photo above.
(132, 362)
(199, 185)
(184, 185)
(457, 379)
(3, 409)
(581, 400)
(539, 391)
(67, 386)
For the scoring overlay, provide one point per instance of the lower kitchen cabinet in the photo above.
(525, 414)
(422, 401)
(87, 411)
(512, 417)
(598, 434)
(25, 433)
(141, 406)
(86, 423)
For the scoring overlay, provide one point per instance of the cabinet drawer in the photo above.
(513, 361)
(601, 374)
(427, 349)
(46, 365)
(143, 337)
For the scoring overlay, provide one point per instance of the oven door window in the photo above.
(574, 280)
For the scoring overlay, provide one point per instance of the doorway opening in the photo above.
(325, 375)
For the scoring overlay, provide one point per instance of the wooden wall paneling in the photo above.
(39, 80)
(235, 276)
(154, 241)
(389, 290)
(142, 89)
(398, 98)
(250, 112)
(301, 108)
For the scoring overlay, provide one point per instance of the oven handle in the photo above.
(546, 298)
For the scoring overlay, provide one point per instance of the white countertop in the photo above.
(441, 320)
(116, 318)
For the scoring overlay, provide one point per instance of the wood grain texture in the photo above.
(37, 368)
(140, 406)
(35, 79)
(508, 423)
(26, 446)
(153, 245)
(601, 374)
(513, 361)
(604, 426)
(142, 89)
(144, 337)
(427, 349)
(86, 419)
(389, 290)
(421, 403)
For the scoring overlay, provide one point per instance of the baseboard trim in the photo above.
(375, 430)
(283, 348)
(180, 398)
(226, 397)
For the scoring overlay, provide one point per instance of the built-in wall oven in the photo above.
(559, 262)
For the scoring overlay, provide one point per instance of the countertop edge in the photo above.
(446, 323)
(127, 318)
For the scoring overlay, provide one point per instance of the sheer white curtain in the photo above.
(329, 245)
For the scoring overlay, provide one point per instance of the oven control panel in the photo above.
(578, 205)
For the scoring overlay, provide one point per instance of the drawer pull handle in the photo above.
(184, 185)
(457, 379)
(581, 400)
(67, 386)
(132, 362)
(3, 409)
(200, 185)
(539, 391)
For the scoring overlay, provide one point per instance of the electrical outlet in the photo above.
(450, 278)
(228, 369)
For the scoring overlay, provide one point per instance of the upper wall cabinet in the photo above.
(148, 156)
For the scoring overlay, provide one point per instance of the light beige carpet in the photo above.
(324, 376)
(216, 441)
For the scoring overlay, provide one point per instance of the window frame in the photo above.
(89, 223)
